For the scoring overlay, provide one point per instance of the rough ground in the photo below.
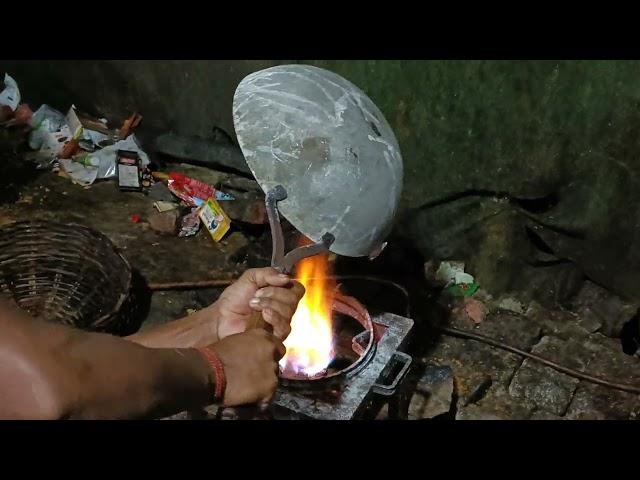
(460, 379)
(159, 258)
(494, 384)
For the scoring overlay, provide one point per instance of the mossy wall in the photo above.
(528, 170)
(557, 141)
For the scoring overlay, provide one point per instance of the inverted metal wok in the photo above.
(324, 141)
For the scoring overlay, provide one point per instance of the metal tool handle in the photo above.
(388, 390)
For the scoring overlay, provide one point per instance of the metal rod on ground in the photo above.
(157, 287)
(225, 283)
(446, 330)
(556, 366)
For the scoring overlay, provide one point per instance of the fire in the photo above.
(310, 344)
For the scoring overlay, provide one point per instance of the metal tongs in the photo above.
(281, 262)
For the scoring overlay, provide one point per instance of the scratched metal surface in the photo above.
(326, 142)
(359, 388)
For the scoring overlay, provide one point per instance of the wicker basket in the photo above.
(65, 273)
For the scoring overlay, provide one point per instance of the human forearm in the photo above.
(119, 379)
(266, 291)
(196, 330)
(51, 371)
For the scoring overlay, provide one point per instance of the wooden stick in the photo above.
(256, 321)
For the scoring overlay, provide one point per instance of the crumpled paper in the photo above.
(86, 135)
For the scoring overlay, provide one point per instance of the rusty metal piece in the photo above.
(294, 256)
(281, 262)
(273, 196)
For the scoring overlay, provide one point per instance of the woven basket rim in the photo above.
(129, 274)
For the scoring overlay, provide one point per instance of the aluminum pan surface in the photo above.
(325, 141)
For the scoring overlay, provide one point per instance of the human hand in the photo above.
(263, 290)
(276, 297)
(250, 361)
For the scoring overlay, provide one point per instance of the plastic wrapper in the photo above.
(94, 137)
(453, 274)
(79, 173)
(214, 219)
(86, 169)
(49, 131)
(193, 192)
(91, 132)
(457, 282)
(101, 164)
(10, 95)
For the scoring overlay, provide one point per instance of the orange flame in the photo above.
(310, 344)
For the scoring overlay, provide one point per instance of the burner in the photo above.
(352, 351)
(350, 393)
(347, 392)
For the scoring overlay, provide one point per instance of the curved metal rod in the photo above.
(280, 261)
(273, 196)
(294, 256)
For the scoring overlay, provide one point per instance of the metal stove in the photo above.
(357, 394)
(354, 395)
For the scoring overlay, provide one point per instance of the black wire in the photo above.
(556, 366)
(456, 332)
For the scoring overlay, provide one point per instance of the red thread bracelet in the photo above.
(218, 372)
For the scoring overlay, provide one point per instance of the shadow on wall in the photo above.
(188, 97)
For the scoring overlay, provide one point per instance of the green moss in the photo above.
(504, 125)
(526, 128)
